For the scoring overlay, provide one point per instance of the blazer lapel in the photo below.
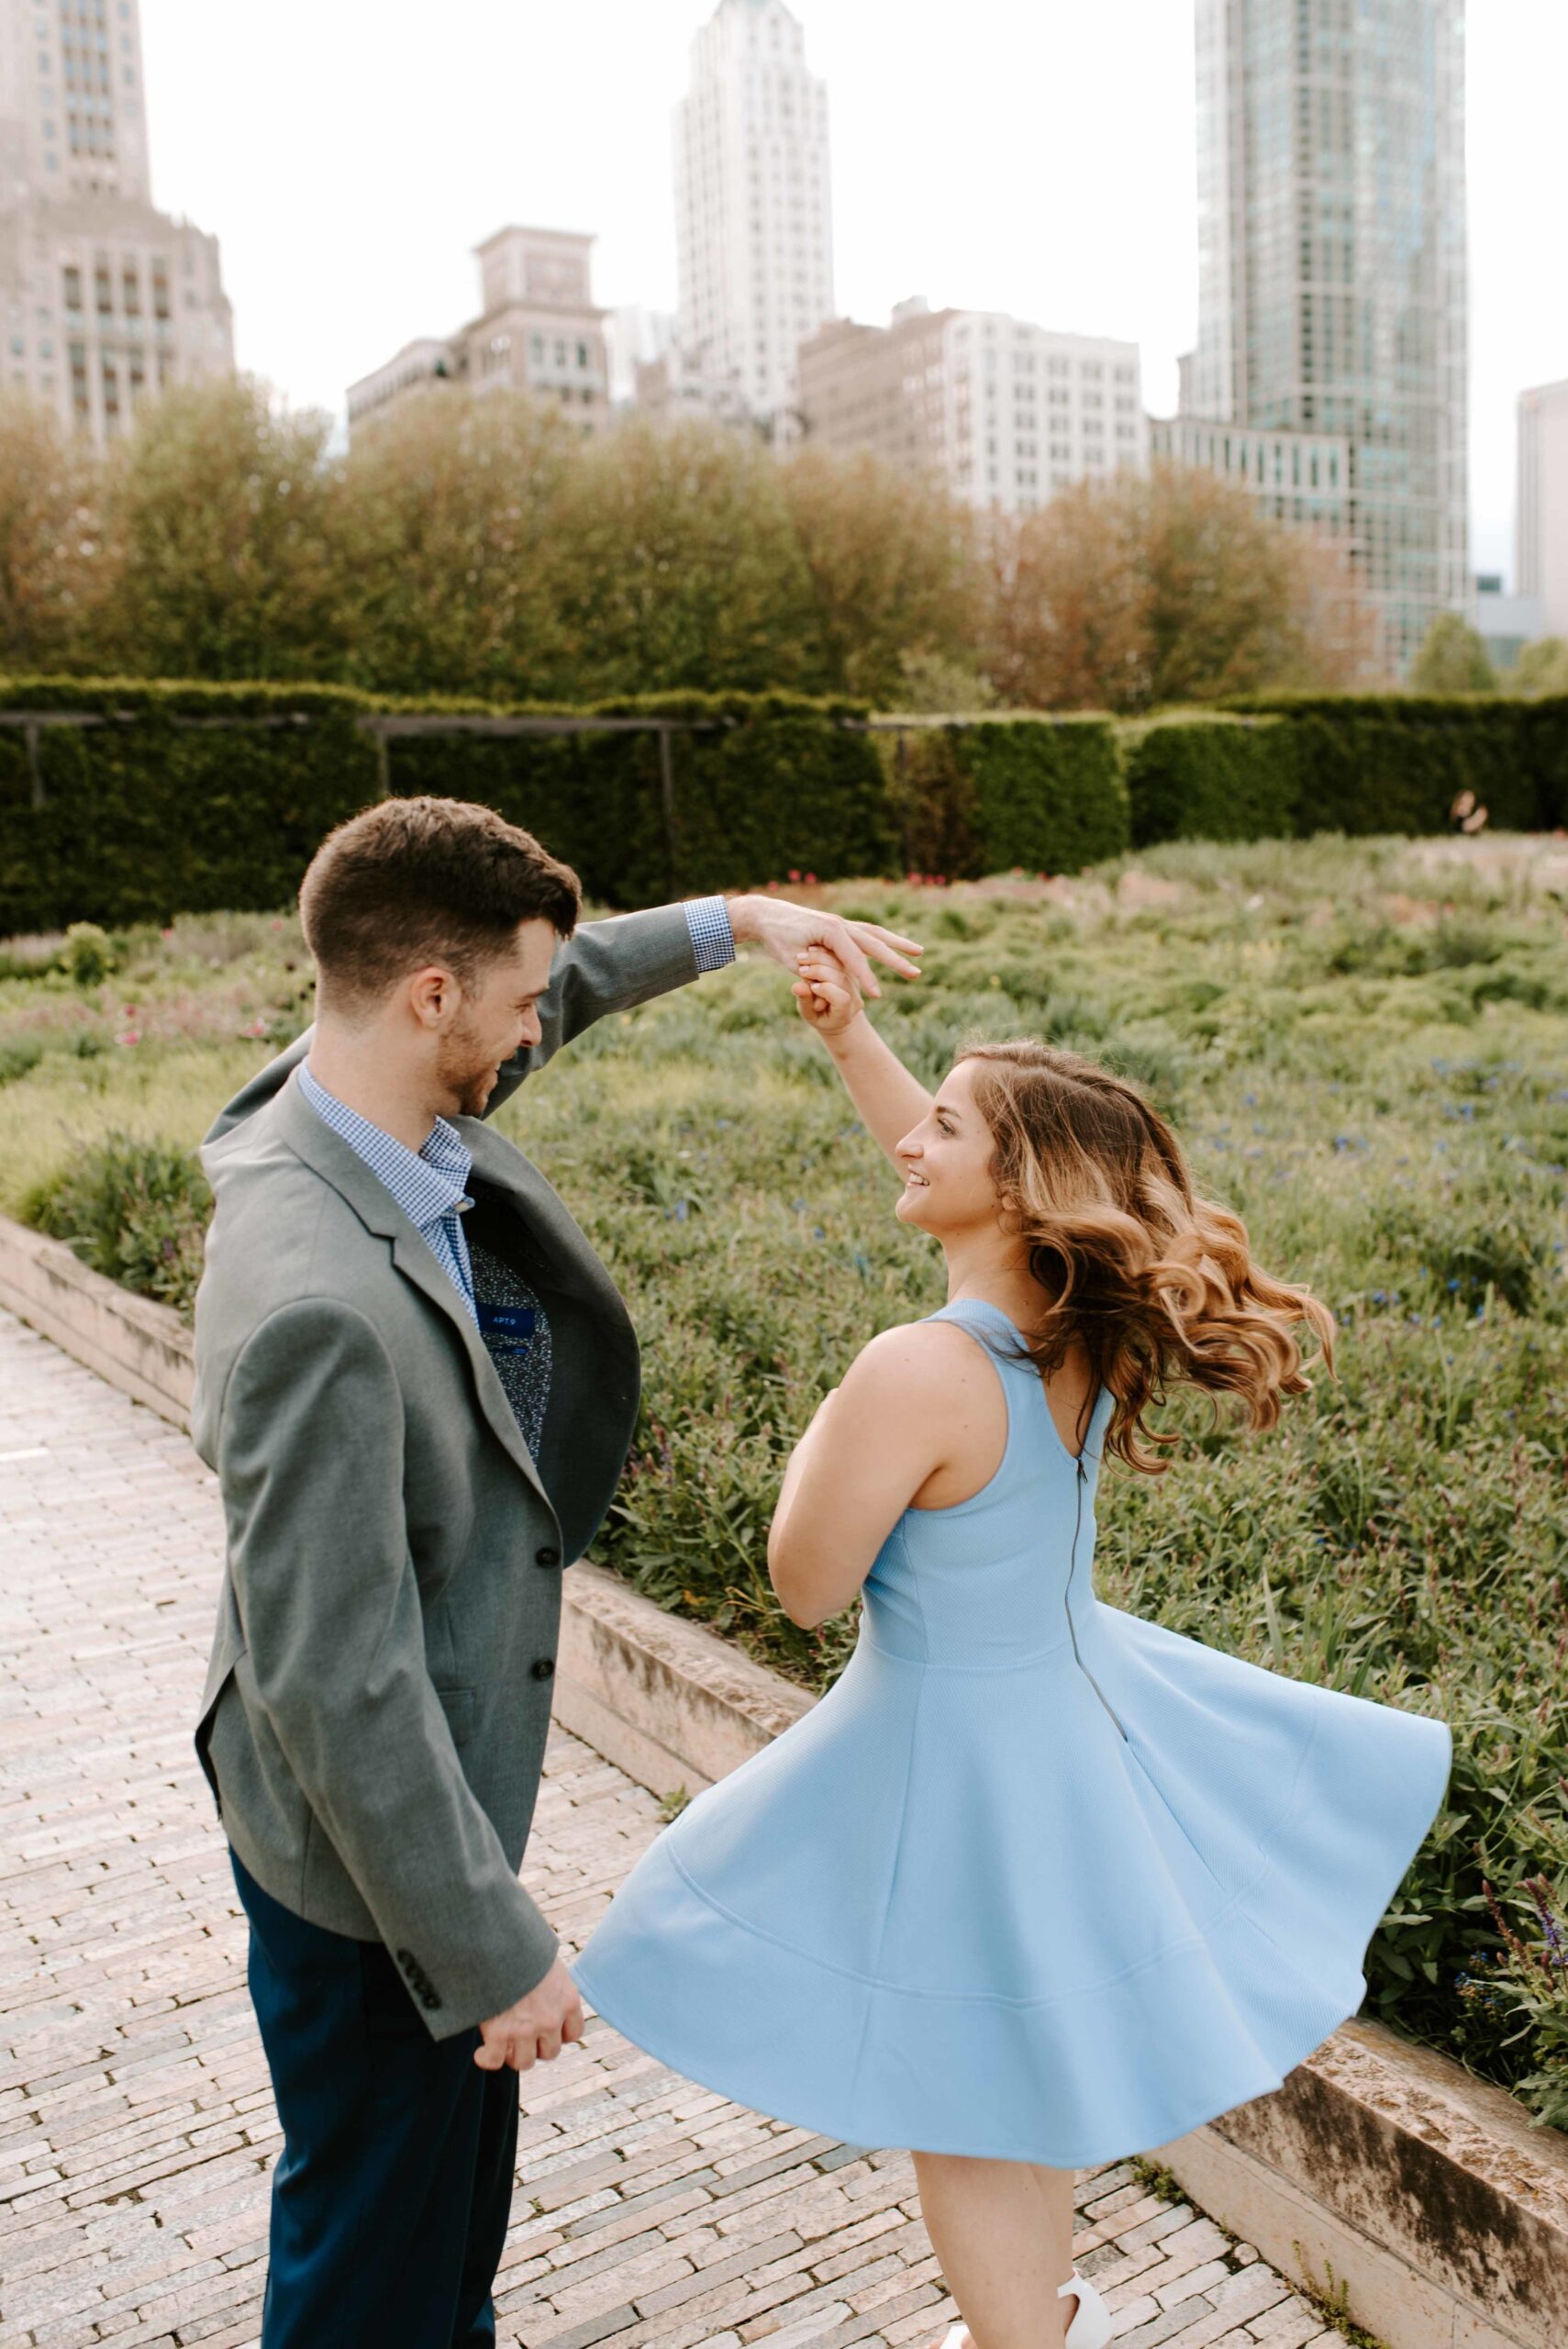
(329, 1156)
(573, 1260)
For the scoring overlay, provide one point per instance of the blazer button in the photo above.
(541, 1667)
(547, 1557)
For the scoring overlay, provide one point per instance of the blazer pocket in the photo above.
(458, 1705)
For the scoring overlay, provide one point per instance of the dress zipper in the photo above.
(1067, 1601)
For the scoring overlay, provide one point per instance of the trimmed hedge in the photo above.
(1049, 792)
(1283, 765)
(1213, 779)
(1395, 762)
(187, 799)
(984, 794)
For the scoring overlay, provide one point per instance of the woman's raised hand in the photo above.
(827, 995)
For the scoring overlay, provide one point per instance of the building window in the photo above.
(160, 288)
(72, 282)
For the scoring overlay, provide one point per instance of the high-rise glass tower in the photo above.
(753, 225)
(1332, 284)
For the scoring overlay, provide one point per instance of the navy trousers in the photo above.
(391, 2198)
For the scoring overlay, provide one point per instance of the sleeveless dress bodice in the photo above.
(1036, 1879)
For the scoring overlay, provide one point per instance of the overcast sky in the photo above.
(1026, 155)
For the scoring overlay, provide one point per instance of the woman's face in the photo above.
(946, 1161)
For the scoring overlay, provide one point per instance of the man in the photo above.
(418, 1386)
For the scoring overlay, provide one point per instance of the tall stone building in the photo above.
(753, 214)
(104, 300)
(1001, 412)
(539, 331)
(1540, 560)
(1332, 272)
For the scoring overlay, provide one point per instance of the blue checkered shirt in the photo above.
(431, 1184)
(713, 940)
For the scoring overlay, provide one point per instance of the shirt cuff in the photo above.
(713, 940)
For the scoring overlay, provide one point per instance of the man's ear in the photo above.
(432, 995)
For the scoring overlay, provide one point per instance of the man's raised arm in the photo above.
(603, 967)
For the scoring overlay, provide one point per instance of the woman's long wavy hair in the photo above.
(1159, 1283)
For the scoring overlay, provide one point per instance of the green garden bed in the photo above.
(1366, 1048)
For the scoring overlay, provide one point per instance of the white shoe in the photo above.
(1091, 2326)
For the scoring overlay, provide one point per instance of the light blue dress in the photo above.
(1036, 1879)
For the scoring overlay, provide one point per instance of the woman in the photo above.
(1036, 1884)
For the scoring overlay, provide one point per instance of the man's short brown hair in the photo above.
(416, 881)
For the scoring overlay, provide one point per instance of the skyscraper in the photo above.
(104, 301)
(72, 117)
(753, 220)
(1540, 560)
(1332, 281)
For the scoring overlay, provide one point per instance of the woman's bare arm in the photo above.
(890, 1101)
(913, 1402)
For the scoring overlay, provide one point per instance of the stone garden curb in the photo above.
(1379, 2165)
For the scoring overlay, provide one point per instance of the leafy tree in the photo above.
(50, 537)
(892, 569)
(1541, 667)
(1452, 660)
(936, 684)
(220, 509)
(676, 566)
(446, 541)
(1170, 586)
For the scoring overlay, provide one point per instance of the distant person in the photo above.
(1038, 1883)
(418, 1386)
(1465, 814)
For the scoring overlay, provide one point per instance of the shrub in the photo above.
(1212, 779)
(983, 795)
(87, 957)
(1395, 762)
(135, 1210)
(197, 798)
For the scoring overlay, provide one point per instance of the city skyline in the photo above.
(1013, 193)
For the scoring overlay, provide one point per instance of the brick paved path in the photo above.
(136, 2123)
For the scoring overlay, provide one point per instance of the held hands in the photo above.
(534, 2028)
(785, 932)
(828, 997)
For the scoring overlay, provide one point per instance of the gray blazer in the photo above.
(376, 1706)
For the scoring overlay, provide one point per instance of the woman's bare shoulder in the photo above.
(914, 1359)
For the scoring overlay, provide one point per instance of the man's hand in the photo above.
(536, 2028)
(786, 932)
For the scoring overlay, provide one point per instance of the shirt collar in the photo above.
(427, 1184)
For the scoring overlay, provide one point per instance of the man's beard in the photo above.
(468, 1080)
